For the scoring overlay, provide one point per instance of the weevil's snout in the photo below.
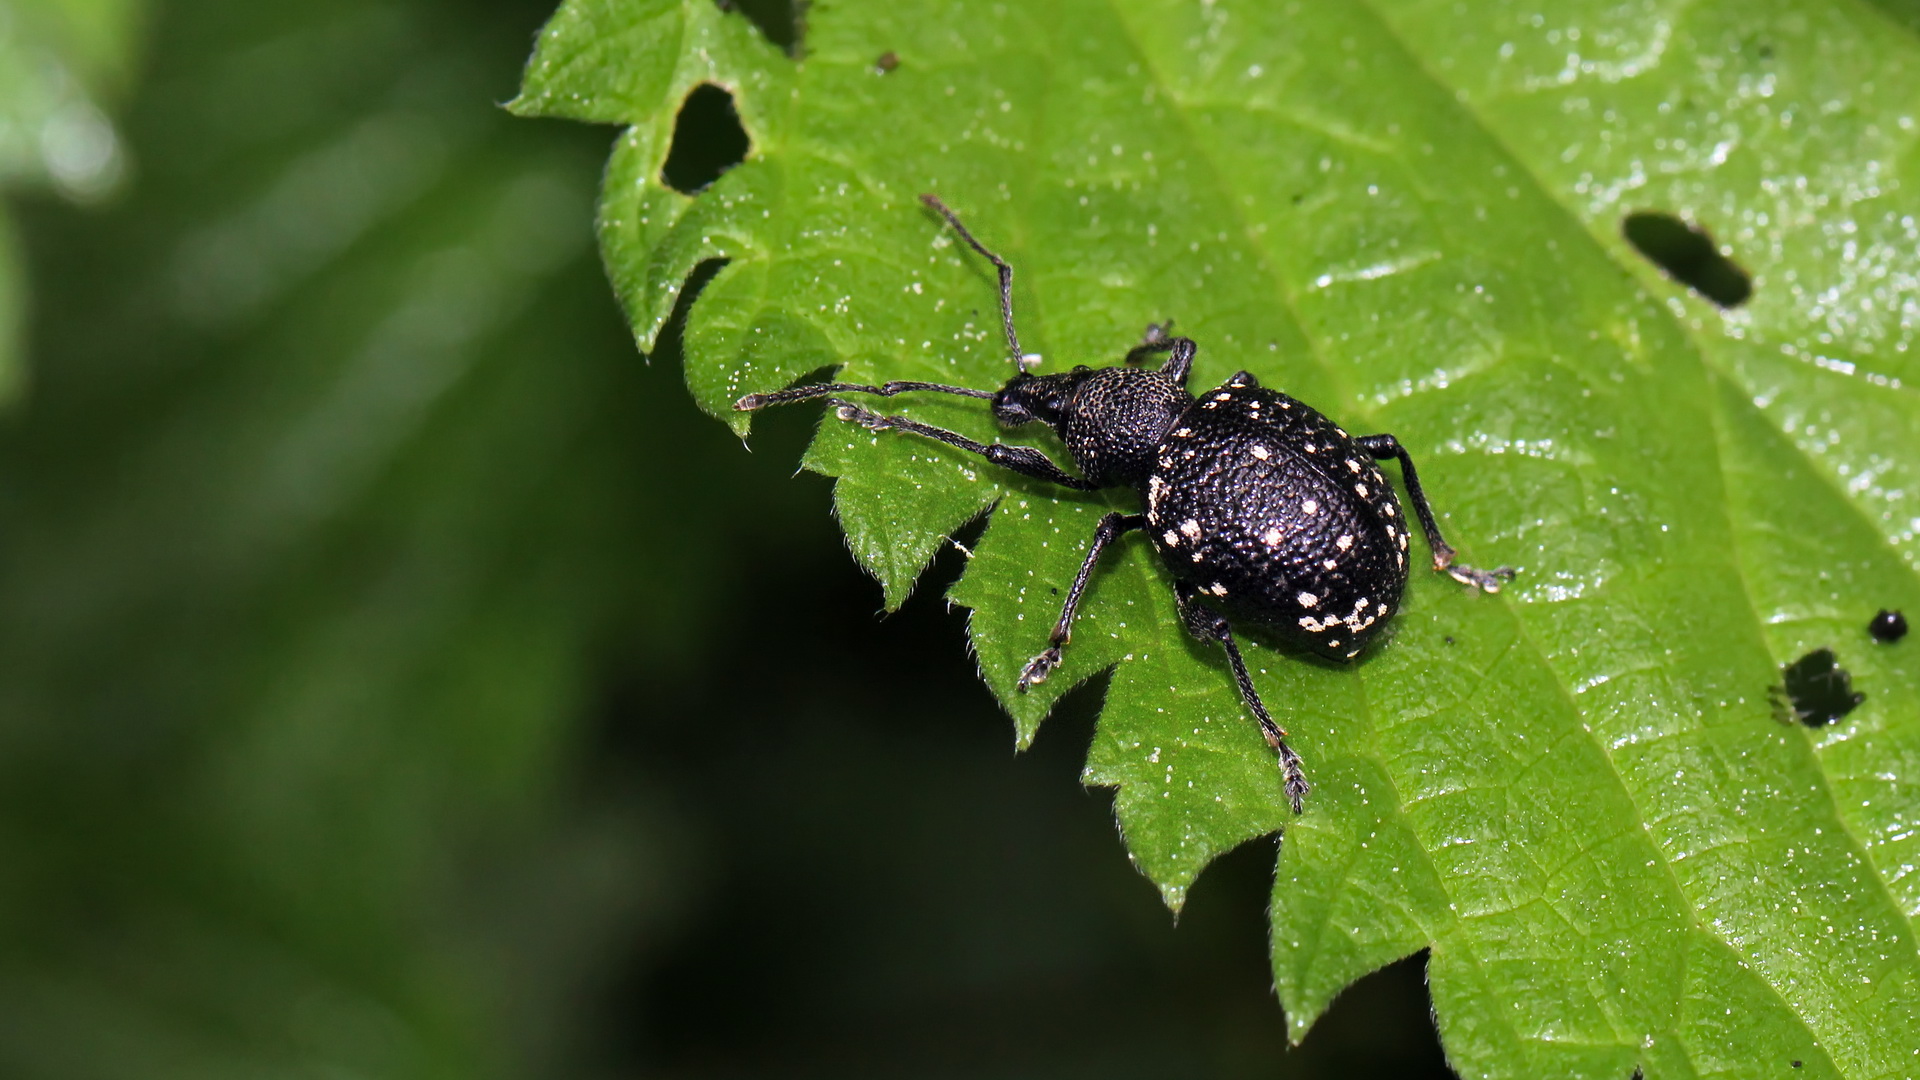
(1035, 397)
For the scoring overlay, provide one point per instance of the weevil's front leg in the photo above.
(1209, 625)
(1024, 460)
(751, 402)
(1383, 447)
(1182, 351)
(1109, 529)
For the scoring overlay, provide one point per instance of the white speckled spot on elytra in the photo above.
(1156, 487)
(1259, 451)
(1191, 528)
(1223, 397)
(1328, 564)
(1310, 507)
(1271, 537)
(1184, 433)
(1310, 624)
(1345, 541)
(1308, 600)
(1218, 589)
(1172, 538)
(1352, 465)
(1333, 644)
(1390, 511)
(1360, 490)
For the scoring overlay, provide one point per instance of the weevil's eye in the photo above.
(1011, 412)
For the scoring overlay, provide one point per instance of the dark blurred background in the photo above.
(400, 678)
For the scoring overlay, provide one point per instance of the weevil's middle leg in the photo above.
(1024, 460)
(1209, 625)
(1110, 528)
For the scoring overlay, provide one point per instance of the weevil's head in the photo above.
(1045, 398)
(1110, 419)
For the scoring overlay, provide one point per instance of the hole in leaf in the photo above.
(670, 343)
(783, 21)
(707, 140)
(1815, 690)
(1689, 256)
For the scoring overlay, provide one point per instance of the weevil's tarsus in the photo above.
(1383, 447)
(1110, 528)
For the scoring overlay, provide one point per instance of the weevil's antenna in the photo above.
(1006, 277)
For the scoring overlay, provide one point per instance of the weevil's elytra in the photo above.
(1263, 511)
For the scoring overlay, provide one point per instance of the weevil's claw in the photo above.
(1484, 580)
(1038, 669)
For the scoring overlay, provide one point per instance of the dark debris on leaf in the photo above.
(1888, 626)
(887, 62)
(1815, 690)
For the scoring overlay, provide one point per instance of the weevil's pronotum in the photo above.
(1265, 512)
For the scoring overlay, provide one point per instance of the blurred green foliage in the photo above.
(318, 530)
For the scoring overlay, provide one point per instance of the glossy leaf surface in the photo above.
(1409, 215)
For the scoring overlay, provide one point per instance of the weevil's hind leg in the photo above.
(1110, 528)
(1208, 625)
(1024, 460)
(1383, 447)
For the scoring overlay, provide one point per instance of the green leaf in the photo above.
(1408, 214)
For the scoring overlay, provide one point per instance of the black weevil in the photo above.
(1264, 511)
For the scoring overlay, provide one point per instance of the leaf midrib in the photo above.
(1702, 355)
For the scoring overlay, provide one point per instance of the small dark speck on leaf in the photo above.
(1687, 255)
(887, 62)
(1796, 1063)
(1449, 639)
(1888, 626)
(1054, 589)
(1815, 690)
